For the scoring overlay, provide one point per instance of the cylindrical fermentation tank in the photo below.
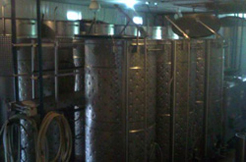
(27, 63)
(120, 100)
(233, 30)
(189, 100)
(25, 28)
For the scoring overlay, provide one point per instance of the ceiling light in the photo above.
(130, 3)
(147, 3)
(94, 5)
(155, 3)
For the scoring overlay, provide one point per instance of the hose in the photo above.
(8, 135)
(65, 148)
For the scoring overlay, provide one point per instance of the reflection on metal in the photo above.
(79, 120)
(136, 68)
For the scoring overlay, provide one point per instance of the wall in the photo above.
(27, 9)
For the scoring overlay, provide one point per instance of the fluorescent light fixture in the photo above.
(73, 15)
(138, 20)
(130, 3)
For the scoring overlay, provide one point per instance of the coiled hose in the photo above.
(65, 148)
(8, 130)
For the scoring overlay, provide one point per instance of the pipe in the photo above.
(33, 69)
(208, 28)
(177, 27)
(55, 10)
(128, 22)
(14, 50)
(145, 99)
(40, 58)
(56, 72)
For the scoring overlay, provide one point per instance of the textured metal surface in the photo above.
(163, 107)
(141, 104)
(214, 94)
(181, 99)
(189, 94)
(104, 109)
(6, 83)
(119, 111)
(197, 95)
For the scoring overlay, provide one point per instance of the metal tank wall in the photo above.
(141, 99)
(79, 127)
(214, 99)
(104, 100)
(163, 100)
(120, 101)
(189, 102)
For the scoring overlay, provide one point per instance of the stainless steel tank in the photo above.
(104, 105)
(25, 28)
(28, 87)
(120, 101)
(52, 29)
(169, 34)
(155, 32)
(233, 30)
(129, 30)
(189, 100)
(104, 29)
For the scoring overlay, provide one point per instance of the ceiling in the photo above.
(172, 6)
